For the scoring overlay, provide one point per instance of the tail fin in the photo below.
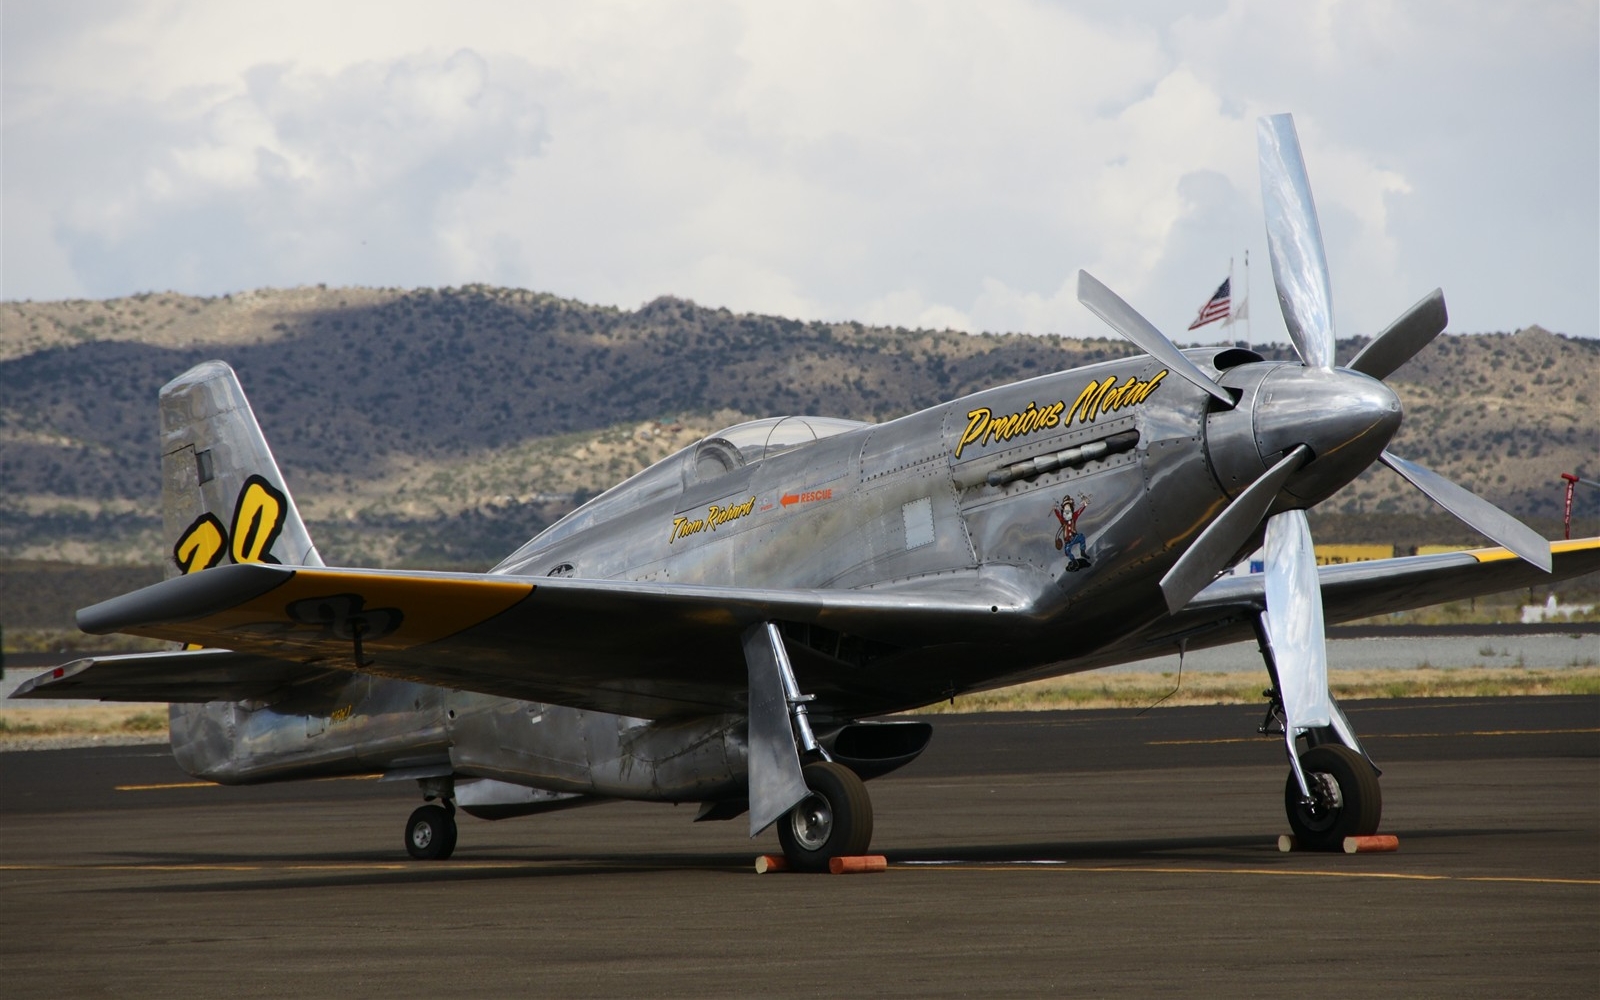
(222, 496)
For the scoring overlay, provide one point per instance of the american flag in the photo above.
(1216, 308)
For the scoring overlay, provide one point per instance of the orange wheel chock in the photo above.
(1371, 845)
(858, 865)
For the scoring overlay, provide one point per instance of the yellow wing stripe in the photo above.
(1557, 548)
(429, 610)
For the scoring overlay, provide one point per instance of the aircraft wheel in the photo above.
(431, 834)
(1349, 801)
(835, 820)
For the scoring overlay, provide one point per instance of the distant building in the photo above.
(1550, 611)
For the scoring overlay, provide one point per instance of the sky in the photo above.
(946, 165)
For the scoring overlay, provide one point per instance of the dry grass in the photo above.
(1137, 690)
(88, 719)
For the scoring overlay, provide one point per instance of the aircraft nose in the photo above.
(1346, 418)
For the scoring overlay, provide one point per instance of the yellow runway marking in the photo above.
(363, 866)
(1304, 872)
(1386, 736)
(213, 784)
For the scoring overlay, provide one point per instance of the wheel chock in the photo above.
(1371, 845)
(1376, 844)
(861, 864)
(839, 866)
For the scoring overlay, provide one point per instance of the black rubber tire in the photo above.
(1359, 805)
(834, 821)
(431, 833)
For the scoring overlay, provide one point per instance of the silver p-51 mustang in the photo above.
(717, 628)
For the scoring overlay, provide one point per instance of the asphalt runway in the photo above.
(1071, 853)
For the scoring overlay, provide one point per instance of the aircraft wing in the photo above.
(191, 675)
(654, 650)
(639, 649)
(1222, 612)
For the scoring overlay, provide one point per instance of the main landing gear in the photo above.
(819, 805)
(835, 820)
(431, 832)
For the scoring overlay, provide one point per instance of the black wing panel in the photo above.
(648, 650)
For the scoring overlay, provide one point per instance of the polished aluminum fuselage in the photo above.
(974, 493)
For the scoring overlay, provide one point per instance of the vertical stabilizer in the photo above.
(222, 496)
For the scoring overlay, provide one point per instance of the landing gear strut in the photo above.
(835, 820)
(1332, 791)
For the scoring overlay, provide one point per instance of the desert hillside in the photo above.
(443, 427)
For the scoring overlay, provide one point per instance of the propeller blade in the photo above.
(1294, 239)
(1403, 338)
(1489, 520)
(1223, 537)
(1124, 319)
(1294, 622)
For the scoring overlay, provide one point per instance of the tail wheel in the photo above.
(431, 834)
(835, 820)
(1347, 800)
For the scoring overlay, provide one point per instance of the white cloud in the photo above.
(292, 177)
(942, 164)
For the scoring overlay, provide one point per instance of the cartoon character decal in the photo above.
(1068, 537)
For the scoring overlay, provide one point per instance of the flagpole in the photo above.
(1248, 341)
(1230, 303)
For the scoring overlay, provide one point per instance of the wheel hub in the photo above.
(422, 835)
(812, 822)
(1325, 802)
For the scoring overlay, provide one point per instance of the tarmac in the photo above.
(1035, 854)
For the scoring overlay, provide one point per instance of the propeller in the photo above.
(1124, 319)
(1224, 536)
(1300, 273)
(1294, 241)
(1294, 621)
(1403, 338)
(1488, 519)
(1338, 412)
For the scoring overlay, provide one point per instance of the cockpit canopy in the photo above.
(710, 458)
(750, 442)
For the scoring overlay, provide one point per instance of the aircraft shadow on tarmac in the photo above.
(355, 870)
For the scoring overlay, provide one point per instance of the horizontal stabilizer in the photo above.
(197, 675)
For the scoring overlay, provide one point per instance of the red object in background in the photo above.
(1567, 517)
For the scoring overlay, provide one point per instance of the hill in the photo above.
(443, 427)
